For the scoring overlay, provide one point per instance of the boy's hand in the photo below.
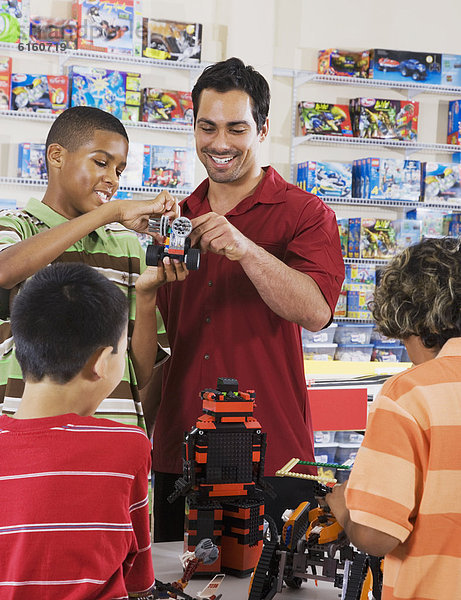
(212, 232)
(135, 214)
(337, 503)
(154, 277)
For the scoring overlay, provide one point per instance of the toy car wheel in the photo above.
(153, 254)
(293, 582)
(193, 259)
(404, 71)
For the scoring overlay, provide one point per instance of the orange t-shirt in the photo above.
(406, 480)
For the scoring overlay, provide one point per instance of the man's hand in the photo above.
(135, 214)
(213, 233)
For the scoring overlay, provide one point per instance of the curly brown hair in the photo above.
(420, 293)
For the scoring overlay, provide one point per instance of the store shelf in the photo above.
(29, 115)
(92, 55)
(301, 77)
(41, 183)
(328, 140)
(383, 203)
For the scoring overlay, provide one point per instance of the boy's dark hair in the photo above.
(62, 315)
(232, 74)
(420, 293)
(76, 126)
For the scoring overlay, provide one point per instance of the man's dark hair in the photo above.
(232, 74)
(62, 315)
(76, 126)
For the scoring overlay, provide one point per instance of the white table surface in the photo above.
(168, 568)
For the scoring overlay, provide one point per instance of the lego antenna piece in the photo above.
(286, 471)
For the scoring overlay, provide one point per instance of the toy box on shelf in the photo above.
(377, 238)
(454, 122)
(400, 65)
(5, 82)
(325, 178)
(168, 166)
(8, 204)
(343, 228)
(109, 25)
(39, 93)
(431, 220)
(117, 92)
(452, 225)
(31, 161)
(171, 40)
(441, 182)
(451, 70)
(167, 106)
(386, 178)
(407, 233)
(14, 21)
(383, 118)
(323, 118)
(53, 30)
(344, 63)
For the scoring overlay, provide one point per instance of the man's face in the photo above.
(89, 176)
(226, 135)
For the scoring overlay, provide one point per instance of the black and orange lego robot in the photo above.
(223, 479)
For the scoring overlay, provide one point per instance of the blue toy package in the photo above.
(168, 166)
(452, 225)
(441, 182)
(31, 161)
(7, 204)
(451, 70)
(329, 179)
(431, 221)
(39, 93)
(109, 25)
(117, 92)
(454, 123)
(343, 228)
(407, 233)
(402, 65)
(388, 178)
(361, 274)
(353, 243)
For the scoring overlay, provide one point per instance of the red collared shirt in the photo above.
(219, 326)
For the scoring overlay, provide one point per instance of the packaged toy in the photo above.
(39, 93)
(343, 227)
(407, 233)
(377, 238)
(7, 204)
(14, 21)
(5, 82)
(341, 305)
(362, 274)
(109, 25)
(451, 70)
(452, 225)
(168, 166)
(343, 62)
(390, 178)
(400, 65)
(53, 31)
(171, 40)
(324, 118)
(328, 179)
(132, 174)
(382, 118)
(441, 182)
(31, 161)
(167, 106)
(432, 221)
(454, 122)
(116, 92)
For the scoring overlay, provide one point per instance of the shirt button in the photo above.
(210, 283)
(206, 357)
(207, 320)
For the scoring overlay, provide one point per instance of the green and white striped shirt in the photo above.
(116, 253)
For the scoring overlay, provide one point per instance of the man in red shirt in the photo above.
(271, 263)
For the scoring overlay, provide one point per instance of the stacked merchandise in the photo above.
(333, 179)
(324, 118)
(166, 106)
(384, 119)
(385, 349)
(168, 166)
(386, 178)
(336, 447)
(5, 82)
(14, 21)
(39, 93)
(51, 30)
(31, 161)
(171, 40)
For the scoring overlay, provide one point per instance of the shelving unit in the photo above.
(63, 58)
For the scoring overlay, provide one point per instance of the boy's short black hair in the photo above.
(62, 315)
(76, 126)
(232, 74)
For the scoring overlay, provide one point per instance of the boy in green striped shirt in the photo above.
(86, 152)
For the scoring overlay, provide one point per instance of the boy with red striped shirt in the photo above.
(402, 499)
(73, 488)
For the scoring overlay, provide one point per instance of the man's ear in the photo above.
(96, 366)
(55, 154)
(264, 130)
